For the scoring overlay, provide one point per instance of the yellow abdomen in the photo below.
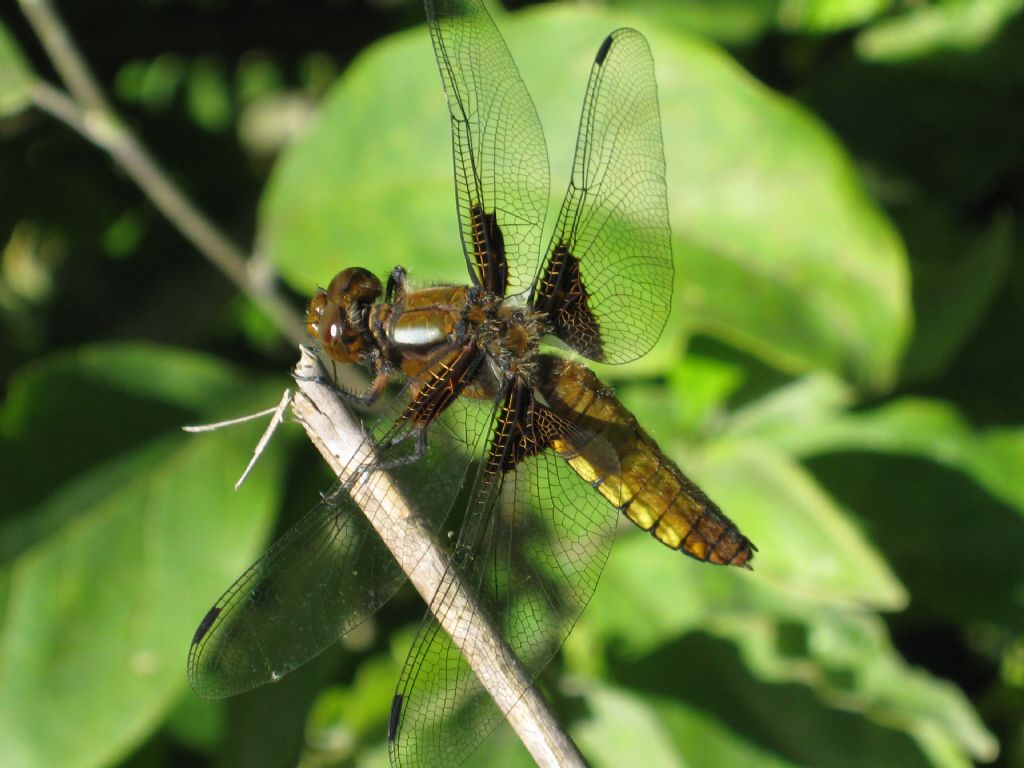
(647, 486)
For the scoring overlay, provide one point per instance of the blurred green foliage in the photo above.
(842, 373)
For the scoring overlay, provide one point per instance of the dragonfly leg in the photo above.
(364, 399)
(418, 436)
(395, 288)
(370, 396)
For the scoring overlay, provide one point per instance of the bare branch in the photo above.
(338, 436)
(89, 113)
(65, 56)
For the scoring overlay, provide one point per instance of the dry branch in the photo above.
(338, 436)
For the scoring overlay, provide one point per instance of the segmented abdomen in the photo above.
(648, 487)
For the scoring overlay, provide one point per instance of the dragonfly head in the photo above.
(336, 317)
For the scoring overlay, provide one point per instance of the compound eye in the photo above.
(314, 313)
(354, 285)
(337, 338)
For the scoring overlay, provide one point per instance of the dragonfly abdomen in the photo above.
(647, 486)
(656, 496)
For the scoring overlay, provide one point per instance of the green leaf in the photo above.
(951, 26)
(697, 393)
(647, 602)
(828, 15)
(847, 657)
(100, 605)
(807, 544)
(778, 248)
(957, 277)
(113, 399)
(623, 728)
(731, 22)
(344, 719)
(15, 75)
(931, 429)
(789, 408)
(806, 540)
(209, 95)
(948, 515)
(199, 723)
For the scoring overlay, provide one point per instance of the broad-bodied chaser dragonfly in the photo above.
(529, 451)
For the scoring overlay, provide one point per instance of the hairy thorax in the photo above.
(509, 333)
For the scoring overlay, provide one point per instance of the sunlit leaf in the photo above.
(943, 500)
(101, 603)
(847, 657)
(806, 540)
(623, 728)
(921, 30)
(732, 22)
(994, 458)
(804, 401)
(828, 15)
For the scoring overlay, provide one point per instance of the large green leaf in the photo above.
(101, 602)
(778, 248)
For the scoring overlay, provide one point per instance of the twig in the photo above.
(277, 418)
(338, 436)
(87, 111)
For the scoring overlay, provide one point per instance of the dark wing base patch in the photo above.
(489, 251)
(563, 296)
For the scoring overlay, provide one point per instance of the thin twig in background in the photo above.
(86, 110)
(338, 436)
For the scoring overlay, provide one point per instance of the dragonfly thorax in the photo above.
(511, 338)
(355, 321)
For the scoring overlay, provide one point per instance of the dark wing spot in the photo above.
(396, 715)
(205, 624)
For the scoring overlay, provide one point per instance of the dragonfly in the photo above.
(491, 433)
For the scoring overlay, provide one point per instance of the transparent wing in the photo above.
(532, 548)
(607, 279)
(330, 571)
(501, 162)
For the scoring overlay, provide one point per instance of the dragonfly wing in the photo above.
(331, 571)
(501, 161)
(607, 279)
(531, 550)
